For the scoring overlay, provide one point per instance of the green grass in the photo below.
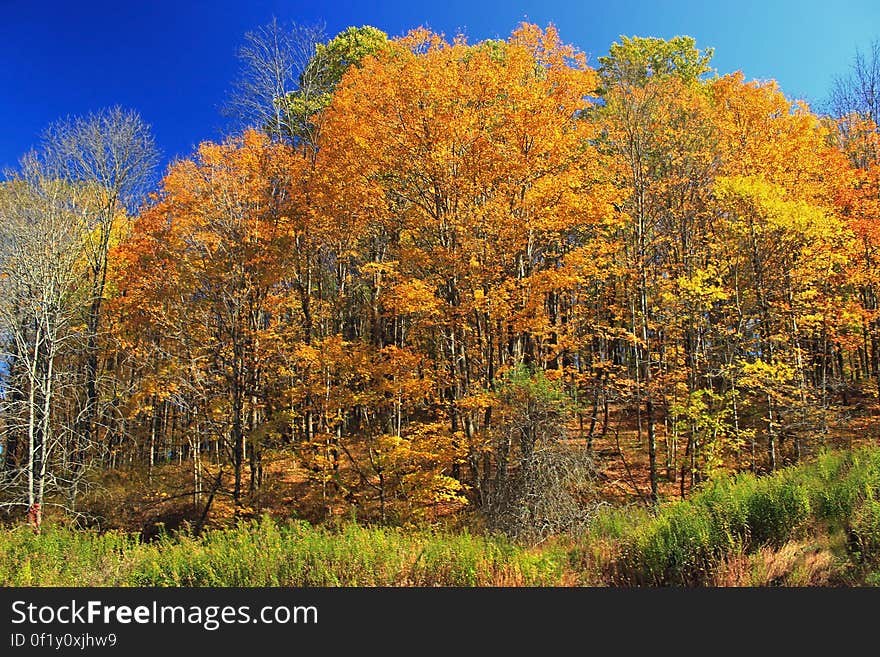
(267, 553)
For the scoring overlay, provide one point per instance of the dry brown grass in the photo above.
(796, 563)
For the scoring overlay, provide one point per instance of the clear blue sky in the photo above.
(174, 60)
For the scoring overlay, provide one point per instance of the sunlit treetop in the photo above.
(636, 60)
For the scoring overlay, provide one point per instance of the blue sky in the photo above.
(174, 60)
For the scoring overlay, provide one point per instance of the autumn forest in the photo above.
(427, 285)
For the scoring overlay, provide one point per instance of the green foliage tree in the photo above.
(323, 72)
(636, 60)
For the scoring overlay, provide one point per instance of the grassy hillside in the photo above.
(815, 524)
(830, 507)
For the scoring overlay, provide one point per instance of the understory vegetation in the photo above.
(814, 524)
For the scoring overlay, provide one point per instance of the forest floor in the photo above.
(622, 461)
(132, 500)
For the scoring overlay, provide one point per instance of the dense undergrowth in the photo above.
(817, 523)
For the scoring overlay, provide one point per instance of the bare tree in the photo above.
(274, 68)
(859, 90)
(110, 157)
(43, 237)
